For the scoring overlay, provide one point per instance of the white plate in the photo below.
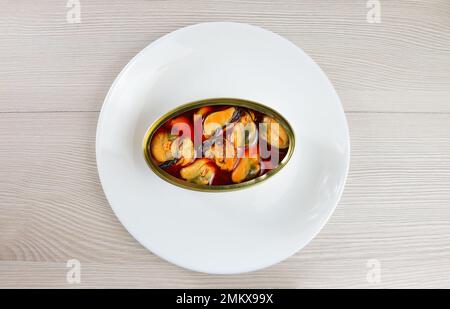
(228, 232)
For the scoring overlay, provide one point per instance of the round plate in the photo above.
(224, 232)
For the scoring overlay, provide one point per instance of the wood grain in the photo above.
(48, 64)
(394, 209)
(393, 79)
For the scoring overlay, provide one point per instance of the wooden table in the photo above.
(393, 78)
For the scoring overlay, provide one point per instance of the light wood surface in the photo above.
(393, 79)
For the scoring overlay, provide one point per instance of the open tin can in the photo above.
(218, 144)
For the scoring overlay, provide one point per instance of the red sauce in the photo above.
(221, 177)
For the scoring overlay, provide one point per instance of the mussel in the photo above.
(244, 132)
(168, 149)
(161, 146)
(218, 120)
(201, 172)
(247, 168)
(223, 154)
(202, 111)
(183, 150)
(274, 133)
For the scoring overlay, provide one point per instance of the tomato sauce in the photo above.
(183, 126)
